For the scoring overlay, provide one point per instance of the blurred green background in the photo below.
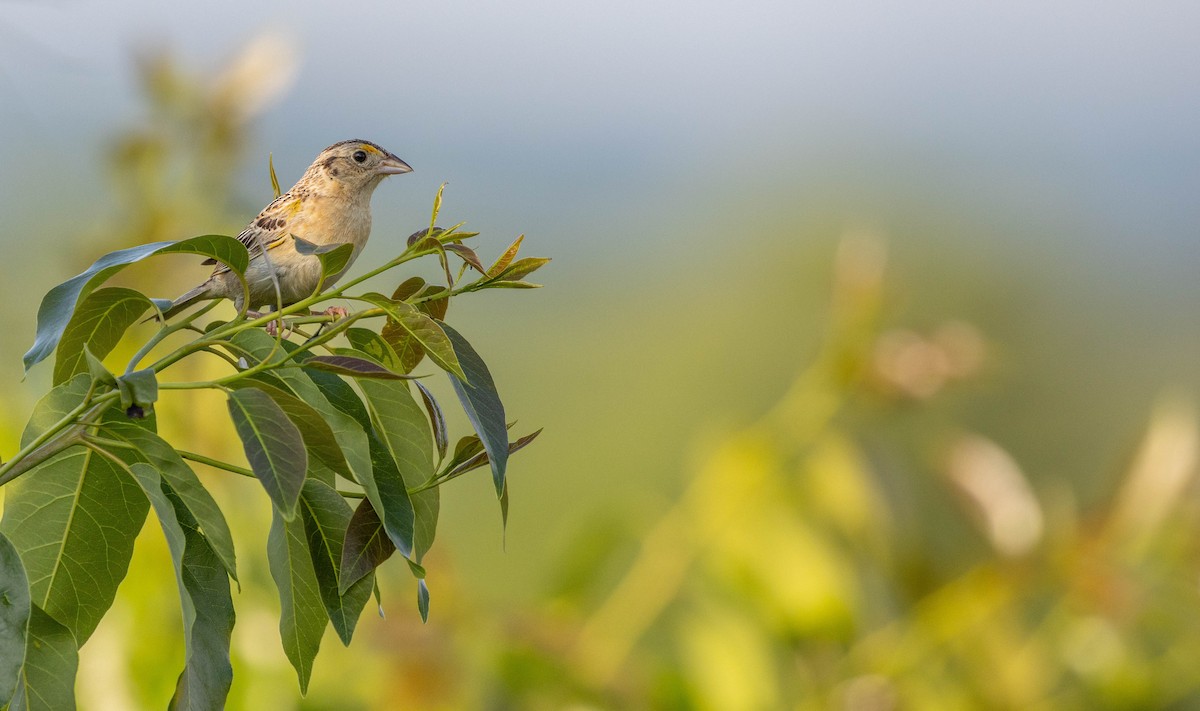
(868, 360)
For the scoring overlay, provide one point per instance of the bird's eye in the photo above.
(360, 156)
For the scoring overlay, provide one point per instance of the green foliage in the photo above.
(349, 458)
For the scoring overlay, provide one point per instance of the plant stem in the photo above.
(216, 463)
(45, 445)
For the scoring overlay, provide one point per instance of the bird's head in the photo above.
(356, 165)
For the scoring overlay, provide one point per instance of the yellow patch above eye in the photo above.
(368, 149)
(294, 206)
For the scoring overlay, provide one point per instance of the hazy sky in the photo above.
(596, 107)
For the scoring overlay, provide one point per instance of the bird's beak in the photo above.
(393, 166)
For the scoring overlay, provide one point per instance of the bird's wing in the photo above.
(267, 231)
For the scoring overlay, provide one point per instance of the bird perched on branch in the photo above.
(330, 204)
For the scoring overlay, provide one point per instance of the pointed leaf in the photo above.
(375, 347)
(506, 259)
(513, 285)
(59, 304)
(273, 446)
(480, 458)
(274, 179)
(352, 366)
(14, 617)
(366, 546)
(382, 482)
(324, 453)
(204, 595)
(521, 268)
(477, 393)
(100, 320)
(468, 255)
(436, 418)
(47, 680)
(423, 599)
(147, 447)
(302, 615)
(427, 332)
(408, 288)
(74, 519)
(404, 431)
(326, 518)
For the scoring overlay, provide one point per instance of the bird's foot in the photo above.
(337, 312)
(278, 328)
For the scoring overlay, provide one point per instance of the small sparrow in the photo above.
(330, 204)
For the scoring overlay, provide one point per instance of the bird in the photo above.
(330, 204)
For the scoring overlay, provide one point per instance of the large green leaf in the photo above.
(404, 431)
(383, 483)
(302, 613)
(477, 393)
(47, 680)
(54, 405)
(97, 325)
(14, 617)
(425, 330)
(273, 446)
(204, 595)
(325, 456)
(59, 304)
(148, 447)
(326, 518)
(74, 519)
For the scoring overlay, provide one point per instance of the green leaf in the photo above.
(326, 518)
(366, 546)
(139, 392)
(55, 405)
(204, 595)
(408, 288)
(273, 446)
(423, 329)
(97, 370)
(423, 599)
(373, 345)
(60, 303)
(333, 256)
(506, 259)
(100, 320)
(274, 179)
(513, 285)
(404, 431)
(477, 393)
(521, 268)
(353, 366)
(148, 447)
(325, 456)
(476, 459)
(382, 482)
(47, 680)
(74, 519)
(302, 614)
(468, 255)
(436, 418)
(14, 617)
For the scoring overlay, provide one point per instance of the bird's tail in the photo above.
(200, 293)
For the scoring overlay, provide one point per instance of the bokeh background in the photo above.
(868, 360)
